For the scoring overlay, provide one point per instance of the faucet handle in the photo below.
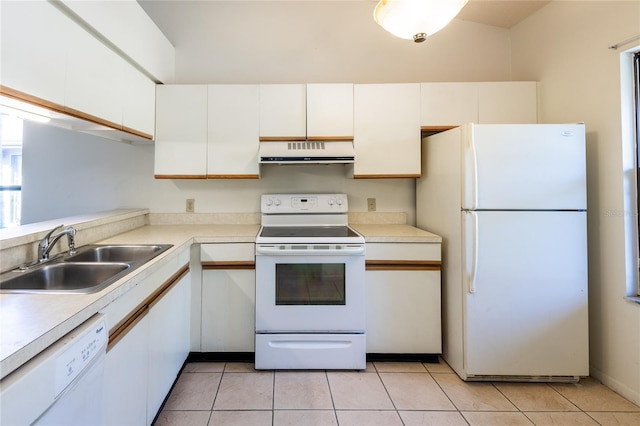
(71, 234)
(43, 245)
(48, 236)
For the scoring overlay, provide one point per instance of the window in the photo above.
(10, 170)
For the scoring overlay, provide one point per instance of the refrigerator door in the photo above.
(525, 293)
(524, 167)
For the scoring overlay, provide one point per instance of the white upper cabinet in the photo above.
(283, 112)
(139, 109)
(181, 131)
(453, 104)
(330, 111)
(510, 102)
(94, 78)
(387, 130)
(51, 60)
(34, 38)
(233, 135)
(448, 104)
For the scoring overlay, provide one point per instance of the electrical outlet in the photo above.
(371, 204)
(191, 205)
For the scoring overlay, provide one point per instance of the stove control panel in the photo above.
(304, 203)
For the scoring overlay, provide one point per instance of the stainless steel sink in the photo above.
(91, 269)
(117, 253)
(65, 278)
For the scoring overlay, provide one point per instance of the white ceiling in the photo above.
(499, 13)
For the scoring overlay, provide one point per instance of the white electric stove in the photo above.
(310, 285)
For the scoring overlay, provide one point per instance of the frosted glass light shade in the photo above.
(416, 19)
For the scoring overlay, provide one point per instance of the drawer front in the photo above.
(227, 252)
(403, 251)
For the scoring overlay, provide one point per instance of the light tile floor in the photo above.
(387, 393)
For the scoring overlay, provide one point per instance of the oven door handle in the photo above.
(276, 250)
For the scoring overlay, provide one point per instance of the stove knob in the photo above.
(277, 202)
(331, 201)
(268, 202)
(339, 201)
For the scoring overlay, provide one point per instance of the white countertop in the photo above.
(29, 323)
(394, 233)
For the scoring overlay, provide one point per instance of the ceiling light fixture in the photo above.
(416, 19)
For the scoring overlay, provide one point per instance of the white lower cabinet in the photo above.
(170, 322)
(125, 378)
(149, 340)
(228, 297)
(403, 298)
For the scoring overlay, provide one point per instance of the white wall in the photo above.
(67, 173)
(564, 47)
(317, 42)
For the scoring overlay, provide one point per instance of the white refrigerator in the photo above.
(510, 204)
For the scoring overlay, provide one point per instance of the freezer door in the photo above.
(525, 294)
(524, 167)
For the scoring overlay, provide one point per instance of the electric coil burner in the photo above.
(310, 285)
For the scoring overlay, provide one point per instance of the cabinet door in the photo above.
(139, 109)
(511, 102)
(233, 139)
(125, 377)
(283, 112)
(181, 131)
(169, 329)
(228, 310)
(94, 79)
(403, 312)
(387, 130)
(34, 39)
(448, 104)
(330, 111)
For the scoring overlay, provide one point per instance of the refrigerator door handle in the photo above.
(471, 249)
(470, 170)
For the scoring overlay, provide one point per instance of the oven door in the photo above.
(310, 289)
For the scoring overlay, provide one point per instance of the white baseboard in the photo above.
(620, 388)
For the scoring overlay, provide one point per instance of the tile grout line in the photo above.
(333, 403)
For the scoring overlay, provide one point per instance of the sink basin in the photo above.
(91, 269)
(64, 278)
(117, 253)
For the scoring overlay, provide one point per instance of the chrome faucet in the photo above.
(47, 243)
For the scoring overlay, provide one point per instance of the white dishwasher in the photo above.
(63, 384)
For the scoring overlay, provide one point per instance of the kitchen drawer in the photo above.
(227, 252)
(403, 251)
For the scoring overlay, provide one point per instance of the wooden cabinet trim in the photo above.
(376, 176)
(329, 138)
(247, 176)
(228, 264)
(118, 331)
(157, 295)
(34, 100)
(125, 326)
(436, 128)
(180, 176)
(403, 265)
(283, 138)
(137, 133)
(92, 118)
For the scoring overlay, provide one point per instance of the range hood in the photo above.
(306, 152)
